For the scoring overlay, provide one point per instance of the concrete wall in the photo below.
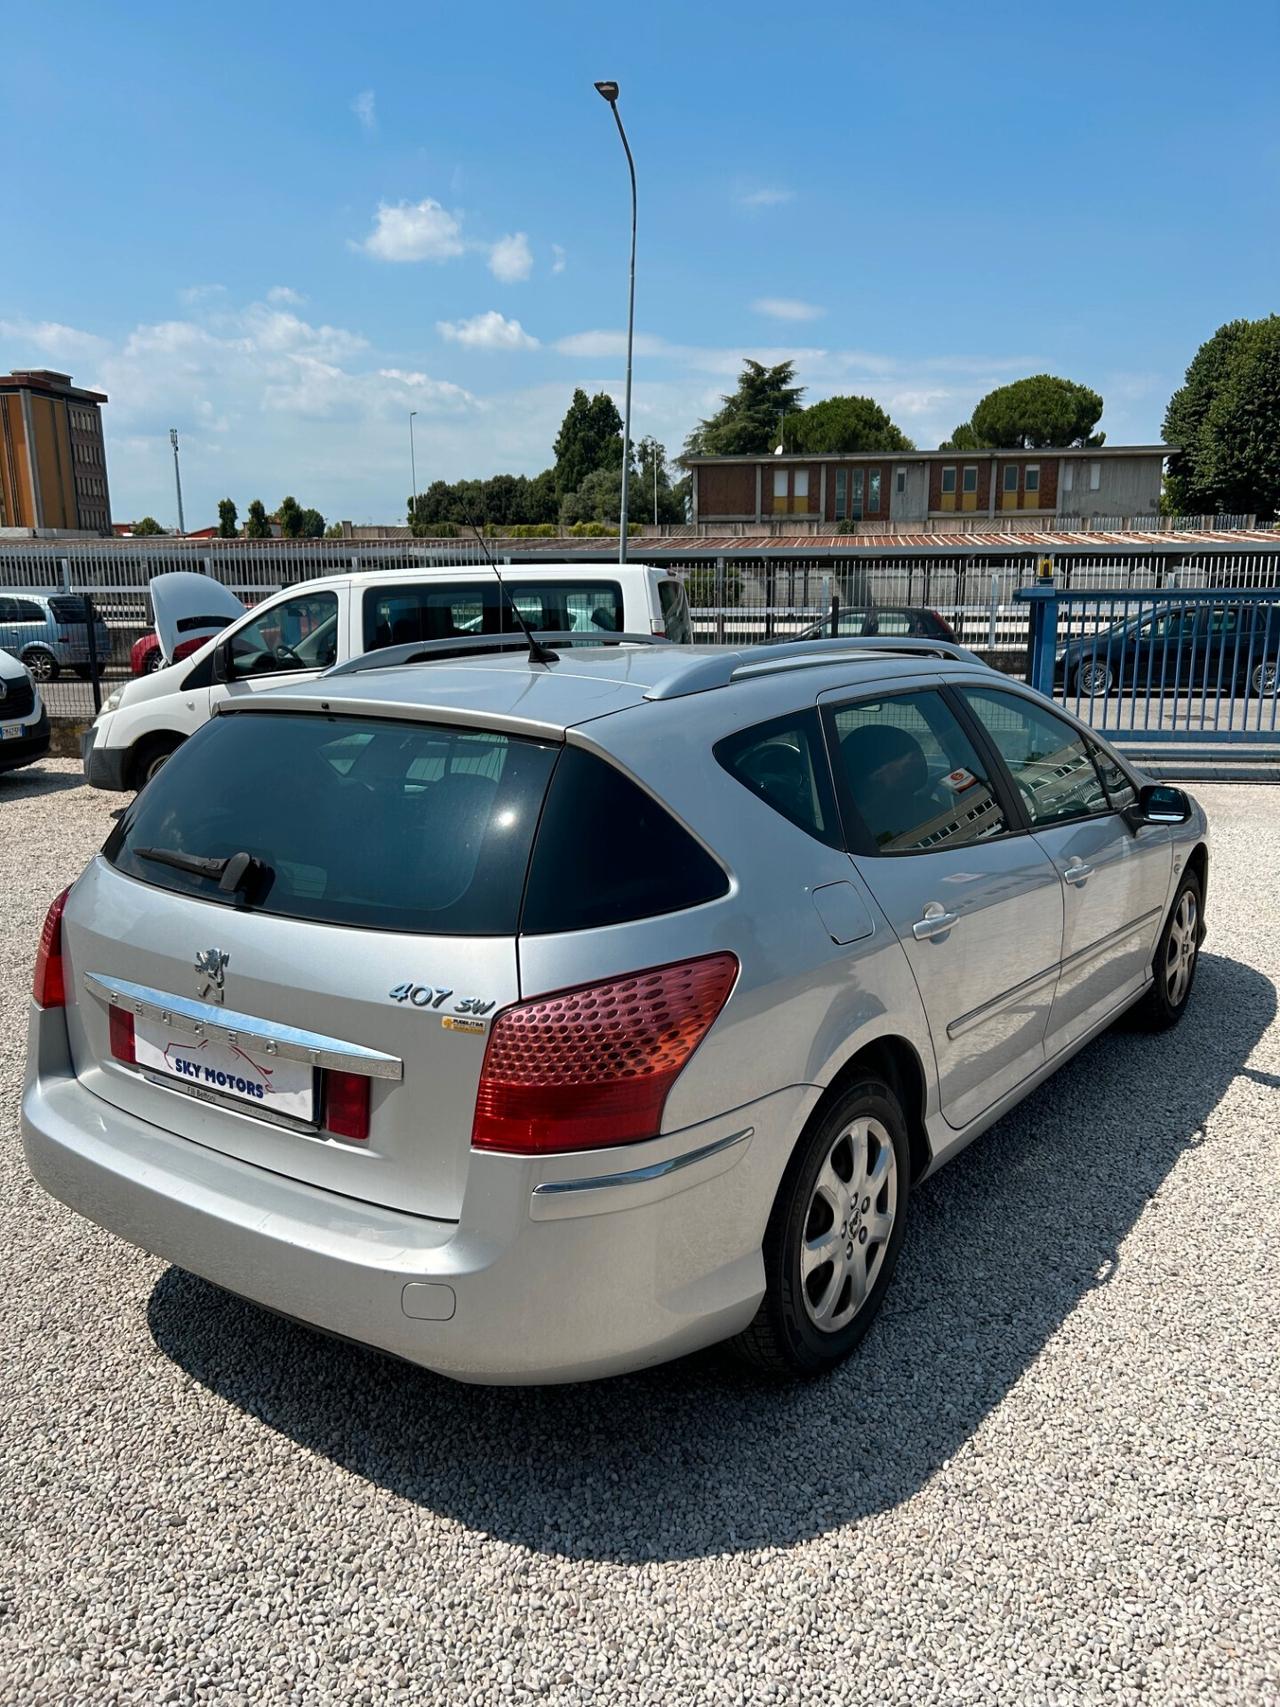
(912, 504)
(1127, 486)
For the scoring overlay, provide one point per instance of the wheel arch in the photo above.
(895, 1060)
(144, 750)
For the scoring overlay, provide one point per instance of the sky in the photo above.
(281, 228)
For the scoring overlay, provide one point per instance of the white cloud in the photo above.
(48, 338)
(601, 343)
(413, 231)
(766, 196)
(365, 108)
(487, 332)
(511, 259)
(196, 293)
(557, 258)
(787, 308)
(285, 293)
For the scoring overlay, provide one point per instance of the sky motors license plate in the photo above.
(11, 731)
(267, 1084)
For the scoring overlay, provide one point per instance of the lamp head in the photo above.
(607, 92)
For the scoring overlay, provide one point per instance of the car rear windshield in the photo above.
(355, 821)
(442, 610)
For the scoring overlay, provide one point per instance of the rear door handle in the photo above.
(936, 922)
(1078, 872)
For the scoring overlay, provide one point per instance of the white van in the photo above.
(297, 633)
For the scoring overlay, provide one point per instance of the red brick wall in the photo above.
(726, 490)
(767, 471)
(1048, 466)
(869, 514)
(983, 496)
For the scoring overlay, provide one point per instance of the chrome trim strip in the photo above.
(1028, 986)
(201, 1019)
(640, 1176)
(1072, 963)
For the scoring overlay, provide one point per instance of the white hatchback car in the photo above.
(304, 629)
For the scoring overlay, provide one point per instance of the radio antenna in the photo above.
(538, 653)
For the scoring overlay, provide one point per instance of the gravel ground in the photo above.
(1050, 1476)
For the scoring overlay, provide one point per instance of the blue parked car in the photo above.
(50, 633)
(1200, 647)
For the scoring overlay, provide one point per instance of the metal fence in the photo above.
(739, 597)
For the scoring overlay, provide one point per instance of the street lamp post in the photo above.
(177, 476)
(608, 91)
(413, 469)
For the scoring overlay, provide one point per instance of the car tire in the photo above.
(1175, 959)
(151, 756)
(1264, 677)
(829, 1256)
(86, 672)
(154, 661)
(44, 667)
(1093, 679)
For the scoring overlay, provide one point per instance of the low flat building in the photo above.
(916, 487)
(53, 463)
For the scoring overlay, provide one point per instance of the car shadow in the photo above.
(33, 781)
(687, 1459)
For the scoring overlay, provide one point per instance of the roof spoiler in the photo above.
(480, 645)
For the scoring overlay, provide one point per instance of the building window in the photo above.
(949, 480)
(1011, 477)
(900, 481)
(1095, 476)
(873, 492)
(970, 480)
(800, 490)
(842, 493)
(1068, 475)
(1031, 484)
(780, 485)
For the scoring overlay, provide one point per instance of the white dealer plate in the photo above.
(11, 731)
(267, 1083)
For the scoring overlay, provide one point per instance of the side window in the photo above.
(27, 610)
(606, 852)
(6, 610)
(1050, 762)
(784, 764)
(675, 612)
(912, 777)
(297, 634)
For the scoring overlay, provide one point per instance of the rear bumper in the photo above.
(27, 748)
(643, 1265)
(104, 767)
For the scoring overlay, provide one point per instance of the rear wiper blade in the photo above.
(229, 874)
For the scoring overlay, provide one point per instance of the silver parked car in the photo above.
(543, 1020)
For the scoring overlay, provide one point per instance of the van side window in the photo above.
(296, 634)
(784, 763)
(404, 615)
(675, 612)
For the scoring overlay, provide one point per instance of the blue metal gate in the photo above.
(1161, 664)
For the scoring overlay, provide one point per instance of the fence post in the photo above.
(995, 606)
(91, 631)
(720, 598)
(1042, 596)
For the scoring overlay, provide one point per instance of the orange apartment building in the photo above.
(53, 464)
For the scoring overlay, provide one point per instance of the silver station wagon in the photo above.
(539, 1020)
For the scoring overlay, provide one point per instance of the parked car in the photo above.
(50, 633)
(884, 620)
(1191, 647)
(305, 629)
(542, 1020)
(145, 656)
(24, 725)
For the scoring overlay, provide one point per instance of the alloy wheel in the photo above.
(40, 664)
(1095, 678)
(848, 1224)
(1180, 952)
(1266, 676)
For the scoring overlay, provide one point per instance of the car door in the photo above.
(291, 639)
(1115, 877)
(976, 904)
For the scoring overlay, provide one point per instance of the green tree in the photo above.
(256, 525)
(597, 499)
(148, 525)
(844, 424)
(542, 505)
(962, 437)
(333, 531)
(748, 422)
(1225, 421)
(590, 437)
(651, 461)
(312, 525)
(289, 516)
(227, 528)
(1037, 413)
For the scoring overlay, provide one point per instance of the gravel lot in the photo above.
(1050, 1477)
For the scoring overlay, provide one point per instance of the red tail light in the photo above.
(123, 1046)
(48, 986)
(948, 633)
(591, 1067)
(346, 1104)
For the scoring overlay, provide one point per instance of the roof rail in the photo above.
(478, 645)
(798, 655)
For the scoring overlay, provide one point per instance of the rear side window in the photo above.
(784, 763)
(68, 607)
(405, 615)
(384, 825)
(675, 612)
(607, 852)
